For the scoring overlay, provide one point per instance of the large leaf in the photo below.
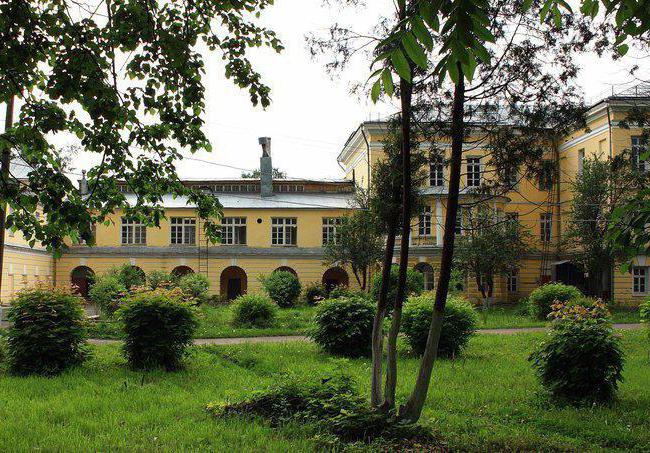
(401, 64)
(414, 50)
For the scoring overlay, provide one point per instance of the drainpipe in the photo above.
(365, 138)
(611, 156)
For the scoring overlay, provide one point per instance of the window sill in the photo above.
(283, 245)
(133, 245)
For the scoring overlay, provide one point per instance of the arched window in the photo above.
(234, 282)
(181, 271)
(335, 276)
(81, 279)
(286, 269)
(427, 271)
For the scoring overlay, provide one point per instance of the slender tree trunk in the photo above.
(364, 278)
(5, 162)
(406, 89)
(412, 410)
(376, 394)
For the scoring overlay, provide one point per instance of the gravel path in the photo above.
(289, 338)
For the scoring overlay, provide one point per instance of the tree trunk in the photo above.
(391, 351)
(4, 174)
(412, 410)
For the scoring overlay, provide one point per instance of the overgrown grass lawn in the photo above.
(489, 400)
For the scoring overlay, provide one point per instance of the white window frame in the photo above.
(182, 231)
(512, 282)
(284, 231)
(581, 160)
(459, 220)
(436, 171)
(133, 232)
(473, 171)
(233, 231)
(546, 226)
(424, 224)
(639, 280)
(640, 146)
(330, 229)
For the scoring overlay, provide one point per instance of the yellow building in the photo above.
(270, 224)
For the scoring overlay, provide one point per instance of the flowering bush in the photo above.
(107, 292)
(194, 285)
(582, 309)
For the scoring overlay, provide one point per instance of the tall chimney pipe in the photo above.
(266, 168)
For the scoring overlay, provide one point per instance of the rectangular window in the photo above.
(183, 230)
(133, 232)
(602, 144)
(330, 225)
(511, 177)
(473, 171)
(436, 172)
(546, 176)
(581, 160)
(284, 231)
(546, 226)
(233, 230)
(512, 282)
(640, 280)
(459, 220)
(424, 227)
(639, 151)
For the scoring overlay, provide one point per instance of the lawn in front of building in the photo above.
(489, 399)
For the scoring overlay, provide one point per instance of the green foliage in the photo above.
(344, 326)
(48, 334)
(644, 314)
(158, 328)
(582, 360)
(541, 299)
(414, 284)
(107, 292)
(282, 287)
(314, 293)
(459, 324)
(340, 292)
(194, 285)
(253, 310)
(128, 275)
(160, 279)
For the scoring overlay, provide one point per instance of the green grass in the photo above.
(487, 400)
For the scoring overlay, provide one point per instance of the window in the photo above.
(546, 176)
(602, 144)
(183, 230)
(639, 149)
(459, 220)
(640, 278)
(581, 160)
(284, 231)
(424, 227)
(473, 171)
(512, 282)
(546, 226)
(233, 230)
(436, 172)
(133, 232)
(330, 225)
(511, 177)
(427, 272)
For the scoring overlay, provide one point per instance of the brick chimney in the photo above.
(266, 168)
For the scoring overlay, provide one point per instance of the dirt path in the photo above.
(289, 338)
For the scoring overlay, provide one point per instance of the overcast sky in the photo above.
(311, 115)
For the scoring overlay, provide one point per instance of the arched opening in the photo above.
(427, 271)
(81, 279)
(233, 282)
(335, 276)
(182, 271)
(286, 269)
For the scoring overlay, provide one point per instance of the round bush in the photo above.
(160, 279)
(314, 293)
(48, 334)
(194, 285)
(458, 325)
(129, 275)
(253, 310)
(581, 362)
(283, 288)
(542, 298)
(414, 284)
(158, 328)
(107, 292)
(344, 326)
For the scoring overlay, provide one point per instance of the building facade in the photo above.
(284, 223)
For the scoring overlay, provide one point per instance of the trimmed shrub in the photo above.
(458, 325)
(414, 284)
(253, 310)
(194, 285)
(158, 328)
(344, 326)
(48, 334)
(581, 362)
(644, 314)
(542, 298)
(160, 279)
(314, 293)
(340, 292)
(107, 292)
(282, 287)
(129, 275)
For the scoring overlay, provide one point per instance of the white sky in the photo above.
(311, 115)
